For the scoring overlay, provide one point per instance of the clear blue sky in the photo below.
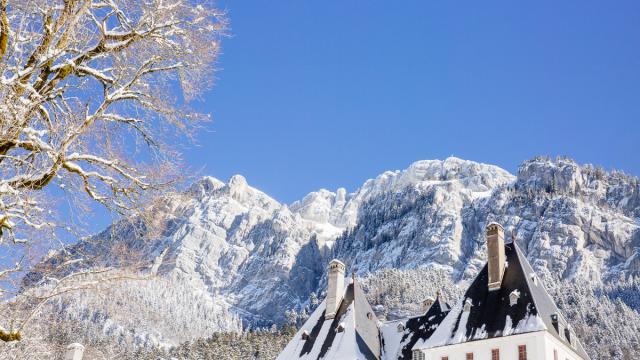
(328, 93)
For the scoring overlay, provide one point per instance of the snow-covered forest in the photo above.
(604, 318)
(229, 259)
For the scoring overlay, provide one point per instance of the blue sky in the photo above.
(314, 94)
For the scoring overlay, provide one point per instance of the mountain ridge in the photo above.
(250, 255)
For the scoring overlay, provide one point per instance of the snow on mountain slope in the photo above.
(572, 220)
(251, 255)
(414, 218)
(463, 180)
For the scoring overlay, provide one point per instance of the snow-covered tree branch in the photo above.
(82, 81)
(92, 95)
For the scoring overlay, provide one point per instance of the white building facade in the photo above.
(533, 345)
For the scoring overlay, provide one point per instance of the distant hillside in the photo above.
(230, 254)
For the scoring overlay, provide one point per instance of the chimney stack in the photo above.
(426, 304)
(335, 288)
(495, 250)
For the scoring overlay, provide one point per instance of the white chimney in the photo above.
(335, 288)
(495, 250)
(75, 351)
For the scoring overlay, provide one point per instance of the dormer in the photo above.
(562, 328)
(426, 303)
(555, 321)
(570, 336)
(467, 305)
(513, 297)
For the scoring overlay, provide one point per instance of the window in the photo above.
(469, 356)
(555, 354)
(418, 355)
(522, 352)
(495, 354)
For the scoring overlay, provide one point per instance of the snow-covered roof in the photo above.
(520, 305)
(352, 335)
(491, 314)
(398, 344)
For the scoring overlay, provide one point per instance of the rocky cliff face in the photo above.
(572, 221)
(257, 258)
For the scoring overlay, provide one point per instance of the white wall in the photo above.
(540, 346)
(564, 352)
(481, 349)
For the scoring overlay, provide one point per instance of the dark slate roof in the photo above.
(421, 327)
(491, 309)
(491, 314)
(363, 331)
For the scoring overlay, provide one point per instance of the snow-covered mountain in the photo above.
(249, 256)
(573, 221)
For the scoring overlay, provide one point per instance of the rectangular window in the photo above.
(418, 355)
(522, 352)
(495, 354)
(469, 356)
(555, 354)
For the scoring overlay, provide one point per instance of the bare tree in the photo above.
(93, 94)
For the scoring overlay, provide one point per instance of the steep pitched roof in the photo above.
(546, 305)
(490, 314)
(366, 323)
(351, 335)
(398, 342)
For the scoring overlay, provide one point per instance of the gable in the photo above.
(345, 337)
